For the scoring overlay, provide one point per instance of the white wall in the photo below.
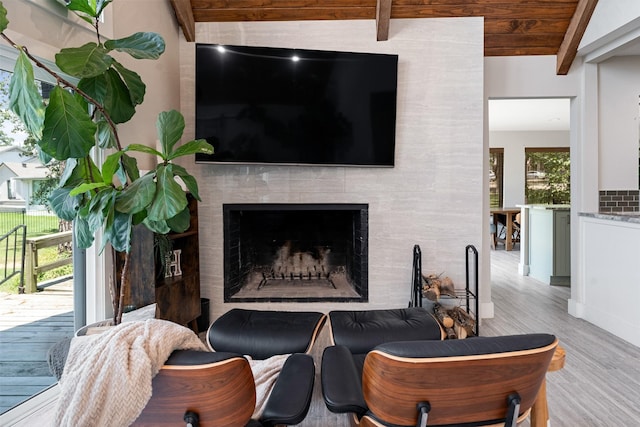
(610, 19)
(619, 93)
(161, 76)
(514, 144)
(433, 197)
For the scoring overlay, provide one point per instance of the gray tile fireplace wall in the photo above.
(295, 246)
(433, 196)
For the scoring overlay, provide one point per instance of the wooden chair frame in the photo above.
(460, 389)
(223, 394)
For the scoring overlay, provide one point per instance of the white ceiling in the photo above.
(539, 114)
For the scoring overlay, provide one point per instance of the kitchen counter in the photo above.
(608, 293)
(621, 216)
(545, 245)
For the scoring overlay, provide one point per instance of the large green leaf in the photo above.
(192, 147)
(95, 87)
(44, 157)
(63, 205)
(67, 173)
(104, 135)
(118, 101)
(83, 188)
(110, 166)
(25, 99)
(139, 217)
(170, 125)
(169, 199)
(118, 231)
(79, 171)
(98, 208)
(4, 22)
(181, 222)
(143, 149)
(88, 60)
(189, 181)
(137, 196)
(89, 10)
(159, 227)
(130, 165)
(68, 128)
(136, 86)
(88, 7)
(145, 45)
(83, 236)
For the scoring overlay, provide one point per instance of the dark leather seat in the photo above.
(219, 388)
(262, 334)
(477, 381)
(361, 331)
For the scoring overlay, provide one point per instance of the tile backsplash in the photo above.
(619, 201)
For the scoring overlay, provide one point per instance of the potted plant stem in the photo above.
(81, 116)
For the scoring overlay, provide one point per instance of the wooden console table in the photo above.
(540, 408)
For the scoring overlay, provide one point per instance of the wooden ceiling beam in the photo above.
(184, 14)
(284, 14)
(569, 46)
(383, 16)
(273, 4)
(533, 10)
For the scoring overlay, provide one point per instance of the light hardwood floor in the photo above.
(599, 385)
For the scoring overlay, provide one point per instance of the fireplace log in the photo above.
(431, 287)
(451, 333)
(447, 287)
(442, 316)
(463, 321)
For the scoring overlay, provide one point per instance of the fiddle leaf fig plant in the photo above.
(80, 118)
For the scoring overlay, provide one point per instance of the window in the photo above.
(29, 375)
(547, 176)
(496, 172)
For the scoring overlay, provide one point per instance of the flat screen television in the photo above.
(293, 106)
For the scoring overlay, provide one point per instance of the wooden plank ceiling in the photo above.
(512, 27)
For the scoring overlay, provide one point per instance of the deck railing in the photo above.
(33, 267)
(12, 246)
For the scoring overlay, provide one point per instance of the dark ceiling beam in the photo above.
(569, 46)
(184, 14)
(383, 16)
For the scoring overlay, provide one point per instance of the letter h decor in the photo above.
(172, 263)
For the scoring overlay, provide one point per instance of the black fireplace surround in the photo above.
(333, 236)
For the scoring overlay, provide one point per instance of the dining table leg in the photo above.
(508, 234)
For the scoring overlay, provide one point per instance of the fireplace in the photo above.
(295, 252)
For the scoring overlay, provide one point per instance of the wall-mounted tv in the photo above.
(293, 106)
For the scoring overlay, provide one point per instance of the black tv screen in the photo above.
(293, 106)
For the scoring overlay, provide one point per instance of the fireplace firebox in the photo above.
(295, 252)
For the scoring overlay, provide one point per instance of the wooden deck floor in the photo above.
(29, 325)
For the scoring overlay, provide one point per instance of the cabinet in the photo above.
(177, 296)
(549, 244)
(466, 298)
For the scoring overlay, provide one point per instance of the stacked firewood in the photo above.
(457, 323)
(433, 286)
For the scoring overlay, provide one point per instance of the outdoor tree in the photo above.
(555, 188)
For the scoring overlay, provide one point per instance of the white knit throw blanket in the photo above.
(265, 374)
(107, 377)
